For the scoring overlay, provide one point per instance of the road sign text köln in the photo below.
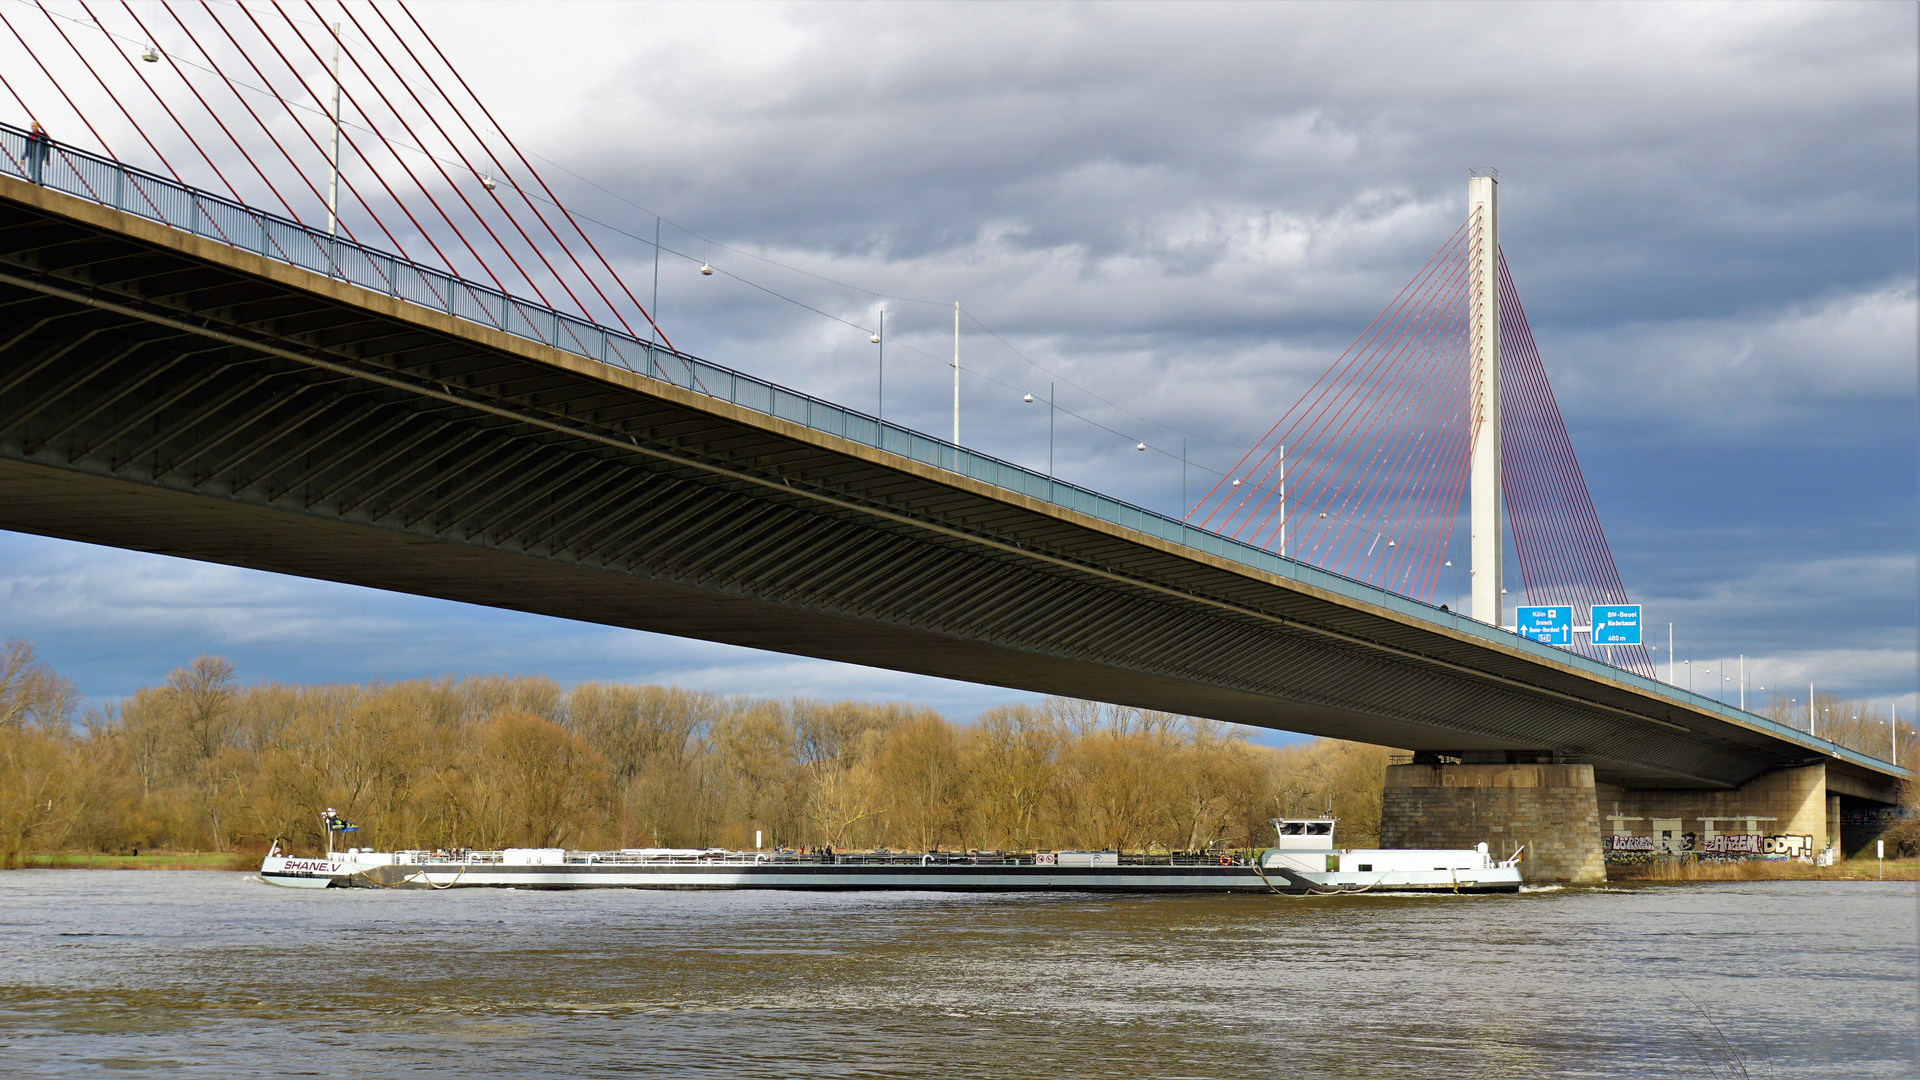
(1546, 625)
(1616, 624)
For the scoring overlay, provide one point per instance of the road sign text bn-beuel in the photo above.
(1616, 624)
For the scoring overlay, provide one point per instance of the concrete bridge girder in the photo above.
(164, 392)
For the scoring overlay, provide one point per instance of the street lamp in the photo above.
(880, 391)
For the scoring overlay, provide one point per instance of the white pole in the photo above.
(1670, 675)
(1812, 720)
(653, 323)
(1743, 682)
(880, 395)
(1894, 730)
(756, 839)
(956, 373)
(1283, 502)
(333, 156)
(1483, 223)
(1050, 415)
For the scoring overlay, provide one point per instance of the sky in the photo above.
(1172, 217)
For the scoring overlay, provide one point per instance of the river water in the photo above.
(216, 974)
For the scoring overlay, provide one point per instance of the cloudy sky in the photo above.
(1175, 215)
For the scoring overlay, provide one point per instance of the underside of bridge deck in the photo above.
(167, 393)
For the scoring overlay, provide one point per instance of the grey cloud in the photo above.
(1192, 208)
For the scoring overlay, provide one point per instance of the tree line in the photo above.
(205, 763)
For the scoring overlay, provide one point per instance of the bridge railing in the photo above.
(157, 198)
(201, 213)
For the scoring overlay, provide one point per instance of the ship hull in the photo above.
(826, 877)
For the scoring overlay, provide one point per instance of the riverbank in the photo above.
(159, 860)
(1857, 869)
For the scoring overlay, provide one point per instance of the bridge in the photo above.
(186, 374)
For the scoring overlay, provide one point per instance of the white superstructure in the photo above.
(1304, 854)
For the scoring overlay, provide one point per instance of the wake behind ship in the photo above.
(1303, 861)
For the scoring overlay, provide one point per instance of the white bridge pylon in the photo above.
(1483, 217)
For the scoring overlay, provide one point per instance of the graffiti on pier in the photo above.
(1627, 848)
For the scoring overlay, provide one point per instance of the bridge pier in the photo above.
(1549, 807)
(1574, 828)
(1791, 810)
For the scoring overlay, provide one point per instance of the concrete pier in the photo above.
(1551, 809)
(1570, 824)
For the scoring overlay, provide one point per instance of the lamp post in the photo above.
(1028, 398)
(956, 374)
(880, 389)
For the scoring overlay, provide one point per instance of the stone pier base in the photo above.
(1552, 809)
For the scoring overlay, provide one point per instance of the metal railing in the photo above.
(156, 198)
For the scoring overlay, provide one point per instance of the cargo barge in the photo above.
(1302, 862)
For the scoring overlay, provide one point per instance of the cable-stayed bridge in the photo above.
(184, 373)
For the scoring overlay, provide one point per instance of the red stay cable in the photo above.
(1330, 464)
(346, 181)
(195, 143)
(1372, 473)
(398, 160)
(481, 142)
(1557, 453)
(1336, 401)
(536, 175)
(1460, 454)
(1410, 486)
(233, 88)
(111, 96)
(57, 87)
(1313, 412)
(1438, 376)
(1438, 482)
(271, 44)
(1358, 474)
(381, 54)
(195, 91)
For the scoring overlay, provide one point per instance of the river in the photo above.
(217, 975)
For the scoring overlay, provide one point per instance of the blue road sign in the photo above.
(1546, 625)
(1616, 624)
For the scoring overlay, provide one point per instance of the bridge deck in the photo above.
(168, 392)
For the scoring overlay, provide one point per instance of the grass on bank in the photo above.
(1855, 869)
